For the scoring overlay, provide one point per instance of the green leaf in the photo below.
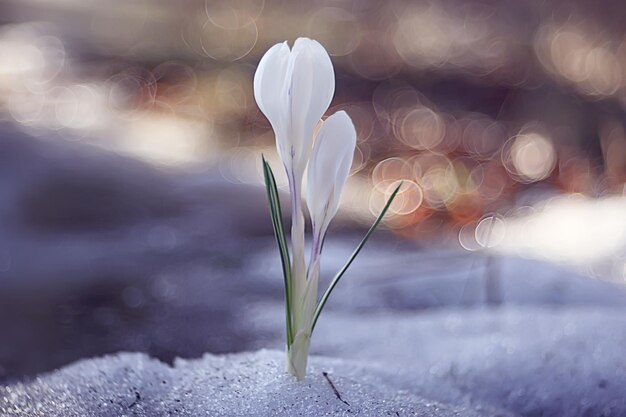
(279, 233)
(342, 271)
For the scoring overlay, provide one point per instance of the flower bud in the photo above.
(293, 89)
(328, 169)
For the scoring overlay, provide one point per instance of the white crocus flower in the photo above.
(293, 88)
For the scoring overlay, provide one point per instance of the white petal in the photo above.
(269, 79)
(309, 89)
(329, 168)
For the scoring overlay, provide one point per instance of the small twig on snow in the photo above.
(335, 389)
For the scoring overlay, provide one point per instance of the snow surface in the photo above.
(250, 384)
(506, 361)
(529, 360)
(532, 361)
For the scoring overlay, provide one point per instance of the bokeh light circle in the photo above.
(532, 156)
(233, 14)
(408, 199)
(228, 44)
(490, 231)
(388, 171)
(421, 128)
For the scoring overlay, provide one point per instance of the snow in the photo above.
(529, 360)
(249, 384)
(515, 360)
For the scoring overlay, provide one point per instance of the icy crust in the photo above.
(248, 384)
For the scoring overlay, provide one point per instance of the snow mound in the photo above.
(248, 384)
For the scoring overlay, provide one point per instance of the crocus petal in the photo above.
(308, 89)
(269, 80)
(329, 168)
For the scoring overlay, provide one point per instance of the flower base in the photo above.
(297, 355)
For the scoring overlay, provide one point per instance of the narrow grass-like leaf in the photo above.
(279, 233)
(342, 271)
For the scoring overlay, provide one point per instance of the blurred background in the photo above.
(130, 148)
